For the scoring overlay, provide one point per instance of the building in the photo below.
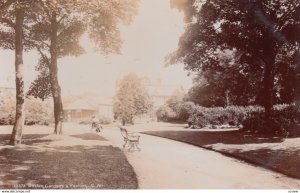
(106, 107)
(79, 111)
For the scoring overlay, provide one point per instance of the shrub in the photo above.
(185, 109)
(232, 115)
(198, 117)
(7, 119)
(103, 120)
(282, 122)
(165, 113)
(180, 111)
(7, 108)
(36, 112)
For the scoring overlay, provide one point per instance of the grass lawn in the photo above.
(282, 155)
(70, 162)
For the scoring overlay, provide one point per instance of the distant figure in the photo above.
(95, 124)
(94, 121)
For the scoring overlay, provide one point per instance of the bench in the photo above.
(131, 140)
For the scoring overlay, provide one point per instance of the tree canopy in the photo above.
(131, 99)
(101, 21)
(261, 42)
(57, 33)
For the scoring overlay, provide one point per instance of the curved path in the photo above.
(164, 163)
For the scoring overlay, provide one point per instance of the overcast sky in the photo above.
(154, 33)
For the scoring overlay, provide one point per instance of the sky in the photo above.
(154, 33)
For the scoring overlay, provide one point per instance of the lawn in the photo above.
(80, 161)
(278, 154)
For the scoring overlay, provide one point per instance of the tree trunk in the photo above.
(16, 135)
(55, 88)
(268, 82)
(297, 86)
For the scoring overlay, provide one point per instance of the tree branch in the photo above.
(64, 16)
(6, 4)
(8, 22)
(282, 19)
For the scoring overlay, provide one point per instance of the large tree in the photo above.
(131, 99)
(14, 22)
(257, 30)
(58, 34)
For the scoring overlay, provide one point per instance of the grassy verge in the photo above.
(266, 151)
(42, 163)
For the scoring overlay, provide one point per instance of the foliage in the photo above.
(7, 108)
(70, 17)
(103, 120)
(256, 35)
(179, 111)
(59, 26)
(37, 111)
(131, 99)
(8, 25)
(283, 121)
(176, 108)
(227, 83)
(165, 113)
(41, 86)
(232, 115)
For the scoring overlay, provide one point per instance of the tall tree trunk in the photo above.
(297, 85)
(55, 88)
(268, 81)
(16, 135)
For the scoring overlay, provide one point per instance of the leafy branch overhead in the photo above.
(100, 19)
(242, 50)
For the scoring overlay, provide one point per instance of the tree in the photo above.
(226, 82)
(58, 33)
(258, 30)
(14, 19)
(131, 99)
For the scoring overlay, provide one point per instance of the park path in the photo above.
(164, 163)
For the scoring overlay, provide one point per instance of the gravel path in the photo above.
(164, 163)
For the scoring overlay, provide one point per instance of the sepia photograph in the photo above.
(149, 95)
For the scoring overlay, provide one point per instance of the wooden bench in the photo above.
(131, 140)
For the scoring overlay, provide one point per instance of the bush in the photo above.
(7, 119)
(185, 109)
(165, 113)
(103, 120)
(36, 112)
(180, 111)
(283, 121)
(250, 118)
(232, 115)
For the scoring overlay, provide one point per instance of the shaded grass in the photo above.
(65, 167)
(89, 136)
(284, 161)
